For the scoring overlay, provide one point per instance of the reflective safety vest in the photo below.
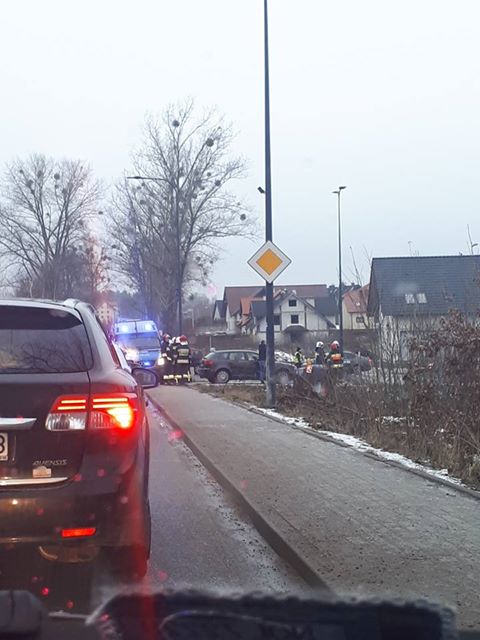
(183, 354)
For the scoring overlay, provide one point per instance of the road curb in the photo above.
(278, 543)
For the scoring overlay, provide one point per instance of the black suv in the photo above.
(74, 439)
(240, 364)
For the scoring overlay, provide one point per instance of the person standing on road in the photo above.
(298, 358)
(182, 365)
(262, 360)
(319, 353)
(335, 357)
(164, 344)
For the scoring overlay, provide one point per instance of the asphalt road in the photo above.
(200, 540)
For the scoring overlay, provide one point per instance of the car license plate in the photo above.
(147, 364)
(3, 446)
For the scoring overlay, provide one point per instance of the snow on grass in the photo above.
(297, 422)
(361, 445)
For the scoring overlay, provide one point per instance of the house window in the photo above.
(294, 318)
(359, 319)
(412, 298)
(276, 319)
(292, 303)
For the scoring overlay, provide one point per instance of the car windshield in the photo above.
(240, 300)
(140, 341)
(42, 341)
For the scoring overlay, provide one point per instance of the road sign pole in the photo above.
(268, 227)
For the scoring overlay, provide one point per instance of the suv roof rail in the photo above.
(71, 302)
(74, 303)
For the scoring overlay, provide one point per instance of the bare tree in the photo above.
(45, 213)
(168, 223)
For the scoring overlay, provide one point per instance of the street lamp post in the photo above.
(340, 286)
(191, 313)
(270, 335)
(179, 263)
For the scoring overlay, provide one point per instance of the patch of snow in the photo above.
(361, 445)
(386, 420)
(298, 422)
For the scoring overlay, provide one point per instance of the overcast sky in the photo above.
(380, 96)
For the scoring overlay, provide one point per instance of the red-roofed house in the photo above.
(297, 308)
(355, 304)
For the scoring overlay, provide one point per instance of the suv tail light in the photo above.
(79, 533)
(68, 413)
(112, 411)
(106, 411)
(207, 363)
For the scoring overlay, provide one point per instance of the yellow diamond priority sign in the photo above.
(269, 261)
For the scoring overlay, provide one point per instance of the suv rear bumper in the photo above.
(38, 516)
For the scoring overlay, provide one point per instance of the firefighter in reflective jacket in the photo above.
(335, 357)
(182, 359)
(298, 358)
(167, 350)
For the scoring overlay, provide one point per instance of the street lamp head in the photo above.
(341, 188)
(336, 192)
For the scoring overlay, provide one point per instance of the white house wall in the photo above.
(230, 322)
(286, 311)
(307, 318)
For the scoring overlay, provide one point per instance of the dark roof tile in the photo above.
(258, 308)
(326, 305)
(448, 282)
(233, 295)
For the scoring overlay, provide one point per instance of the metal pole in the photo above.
(270, 386)
(340, 286)
(179, 276)
(340, 292)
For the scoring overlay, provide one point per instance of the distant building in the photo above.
(297, 309)
(355, 303)
(107, 310)
(410, 295)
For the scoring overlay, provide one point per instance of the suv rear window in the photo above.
(42, 341)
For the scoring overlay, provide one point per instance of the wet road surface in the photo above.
(200, 540)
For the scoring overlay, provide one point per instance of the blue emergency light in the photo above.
(136, 326)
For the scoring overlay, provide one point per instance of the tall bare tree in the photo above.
(45, 211)
(168, 221)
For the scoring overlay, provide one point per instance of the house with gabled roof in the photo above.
(354, 307)
(408, 295)
(293, 316)
(297, 309)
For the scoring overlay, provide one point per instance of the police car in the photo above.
(140, 341)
